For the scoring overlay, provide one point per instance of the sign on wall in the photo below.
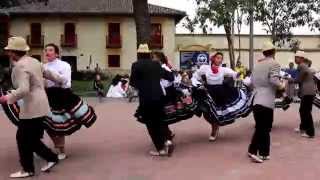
(192, 58)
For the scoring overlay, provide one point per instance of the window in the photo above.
(114, 61)
(4, 61)
(156, 30)
(4, 33)
(36, 34)
(69, 34)
(36, 56)
(114, 35)
(72, 60)
(156, 36)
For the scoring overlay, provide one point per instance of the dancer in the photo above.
(27, 78)
(265, 80)
(224, 103)
(68, 111)
(307, 93)
(145, 77)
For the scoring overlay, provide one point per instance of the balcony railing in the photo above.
(69, 41)
(156, 41)
(35, 41)
(114, 41)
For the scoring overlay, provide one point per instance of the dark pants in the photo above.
(152, 113)
(306, 115)
(29, 134)
(260, 142)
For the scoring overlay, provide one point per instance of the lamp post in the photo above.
(251, 53)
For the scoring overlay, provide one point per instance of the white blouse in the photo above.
(63, 69)
(214, 79)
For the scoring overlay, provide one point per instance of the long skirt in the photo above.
(223, 104)
(183, 107)
(69, 113)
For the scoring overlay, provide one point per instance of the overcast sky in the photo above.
(189, 7)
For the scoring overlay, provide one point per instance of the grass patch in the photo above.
(85, 88)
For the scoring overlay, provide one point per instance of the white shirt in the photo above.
(116, 91)
(214, 79)
(163, 82)
(63, 69)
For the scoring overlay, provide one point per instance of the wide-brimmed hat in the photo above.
(17, 44)
(300, 54)
(143, 48)
(267, 46)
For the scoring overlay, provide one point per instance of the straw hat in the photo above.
(17, 44)
(300, 54)
(268, 46)
(144, 48)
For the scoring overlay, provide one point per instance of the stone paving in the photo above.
(116, 148)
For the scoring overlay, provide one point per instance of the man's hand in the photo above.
(282, 86)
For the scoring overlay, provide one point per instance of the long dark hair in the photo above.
(162, 57)
(116, 80)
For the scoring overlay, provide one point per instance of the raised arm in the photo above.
(47, 74)
(274, 76)
(230, 73)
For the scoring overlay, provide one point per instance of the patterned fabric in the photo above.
(184, 108)
(59, 123)
(224, 104)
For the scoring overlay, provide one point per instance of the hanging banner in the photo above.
(188, 59)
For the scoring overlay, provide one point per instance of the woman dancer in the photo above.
(223, 103)
(62, 100)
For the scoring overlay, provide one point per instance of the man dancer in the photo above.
(145, 77)
(307, 93)
(27, 78)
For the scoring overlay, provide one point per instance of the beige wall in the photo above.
(91, 32)
(311, 44)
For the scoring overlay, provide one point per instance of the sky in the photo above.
(189, 7)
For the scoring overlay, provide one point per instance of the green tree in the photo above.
(143, 21)
(219, 13)
(280, 17)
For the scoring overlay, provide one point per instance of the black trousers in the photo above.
(152, 113)
(306, 115)
(29, 134)
(260, 142)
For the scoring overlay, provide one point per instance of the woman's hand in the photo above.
(3, 99)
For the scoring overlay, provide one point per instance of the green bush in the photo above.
(87, 75)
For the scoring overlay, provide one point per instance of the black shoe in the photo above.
(285, 107)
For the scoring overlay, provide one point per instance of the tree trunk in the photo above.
(230, 45)
(142, 19)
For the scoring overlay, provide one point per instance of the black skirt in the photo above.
(223, 104)
(69, 113)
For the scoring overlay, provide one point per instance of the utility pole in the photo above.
(251, 53)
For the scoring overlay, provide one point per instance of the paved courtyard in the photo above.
(116, 148)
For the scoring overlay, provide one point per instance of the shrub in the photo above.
(85, 75)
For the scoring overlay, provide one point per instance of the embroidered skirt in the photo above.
(223, 104)
(68, 115)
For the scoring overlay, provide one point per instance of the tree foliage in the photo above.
(280, 17)
(218, 13)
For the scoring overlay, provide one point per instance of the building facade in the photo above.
(100, 33)
(212, 43)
